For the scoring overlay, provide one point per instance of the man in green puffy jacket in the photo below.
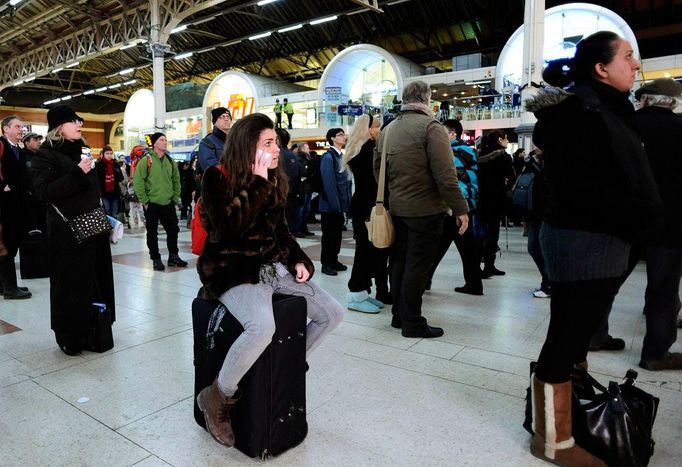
(157, 186)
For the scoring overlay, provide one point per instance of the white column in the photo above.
(533, 43)
(158, 53)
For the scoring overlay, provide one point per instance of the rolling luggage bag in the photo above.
(33, 262)
(270, 416)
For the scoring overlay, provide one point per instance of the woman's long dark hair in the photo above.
(239, 154)
(489, 142)
(595, 48)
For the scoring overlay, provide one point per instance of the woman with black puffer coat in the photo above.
(601, 198)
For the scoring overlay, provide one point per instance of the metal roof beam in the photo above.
(371, 4)
(86, 43)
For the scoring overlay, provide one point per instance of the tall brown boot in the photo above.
(553, 441)
(216, 409)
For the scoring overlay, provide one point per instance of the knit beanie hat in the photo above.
(151, 139)
(60, 114)
(216, 113)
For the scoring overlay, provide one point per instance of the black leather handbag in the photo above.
(614, 423)
(87, 226)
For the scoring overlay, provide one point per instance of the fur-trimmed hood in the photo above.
(547, 97)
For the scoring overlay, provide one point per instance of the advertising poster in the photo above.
(332, 99)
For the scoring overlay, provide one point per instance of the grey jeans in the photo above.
(251, 305)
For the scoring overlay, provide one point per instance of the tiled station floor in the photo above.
(374, 397)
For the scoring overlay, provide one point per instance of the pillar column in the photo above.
(159, 51)
(533, 61)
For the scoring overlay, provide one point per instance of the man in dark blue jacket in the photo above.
(211, 147)
(334, 202)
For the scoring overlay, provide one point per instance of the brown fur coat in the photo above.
(246, 229)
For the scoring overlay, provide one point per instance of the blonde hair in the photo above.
(55, 137)
(357, 137)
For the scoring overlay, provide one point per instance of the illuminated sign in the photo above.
(233, 92)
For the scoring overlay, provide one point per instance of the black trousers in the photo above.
(368, 262)
(491, 223)
(154, 214)
(602, 332)
(576, 310)
(662, 300)
(416, 243)
(332, 229)
(468, 249)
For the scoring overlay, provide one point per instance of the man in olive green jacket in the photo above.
(423, 189)
(157, 186)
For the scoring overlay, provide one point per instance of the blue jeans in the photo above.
(535, 252)
(111, 205)
(302, 213)
(251, 304)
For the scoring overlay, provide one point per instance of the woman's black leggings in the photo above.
(577, 309)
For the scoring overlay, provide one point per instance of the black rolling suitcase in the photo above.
(270, 417)
(33, 256)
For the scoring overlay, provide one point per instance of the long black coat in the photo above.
(79, 274)
(660, 130)
(365, 195)
(13, 196)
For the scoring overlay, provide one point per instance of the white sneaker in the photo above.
(540, 294)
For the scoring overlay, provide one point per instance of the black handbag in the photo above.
(89, 225)
(614, 423)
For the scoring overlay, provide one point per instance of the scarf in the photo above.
(108, 174)
(417, 107)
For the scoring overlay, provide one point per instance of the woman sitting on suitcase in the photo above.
(249, 255)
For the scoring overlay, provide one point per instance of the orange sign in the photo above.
(239, 106)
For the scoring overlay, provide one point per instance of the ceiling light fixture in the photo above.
(260, 36)
(13, 2)
(476, 82)
(265, 2)
(128, 46)
(88, 92)
(28, 80)
(323, 20)
(115, 86)
(128, 83)
(179, 29)
(57, 70)
(184, 55)
(66, 98)
(50, 102)
(127, 71)
(71, 65)
(18, 83)
(103, 88)
(290, 28)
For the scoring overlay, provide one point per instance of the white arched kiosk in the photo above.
(365, 74)
(565, 25)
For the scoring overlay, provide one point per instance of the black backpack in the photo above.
(522, 193)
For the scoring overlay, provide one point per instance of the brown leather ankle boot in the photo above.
(216, 409)
(553, 440)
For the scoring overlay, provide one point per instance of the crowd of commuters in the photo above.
(601, 203)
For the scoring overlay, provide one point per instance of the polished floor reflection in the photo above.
(374, 397)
